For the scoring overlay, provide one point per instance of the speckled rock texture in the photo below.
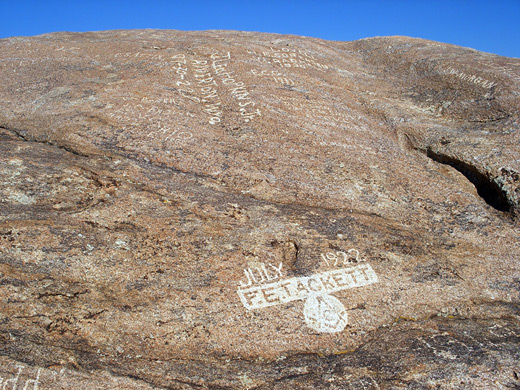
(227, 210)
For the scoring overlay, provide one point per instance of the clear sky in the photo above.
(492, 26)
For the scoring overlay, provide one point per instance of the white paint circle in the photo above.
(324, 313)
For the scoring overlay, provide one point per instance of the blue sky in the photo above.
(492, 26)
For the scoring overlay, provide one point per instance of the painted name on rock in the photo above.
(322, 311)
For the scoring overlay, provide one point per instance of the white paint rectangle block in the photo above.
(288, 290)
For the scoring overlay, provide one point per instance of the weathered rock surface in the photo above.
(231, 210)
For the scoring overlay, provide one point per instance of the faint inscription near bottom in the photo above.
(12, 382)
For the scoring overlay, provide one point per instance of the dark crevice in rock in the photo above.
(18, 134)
(487, 188)
(490, 120)
(146, 164)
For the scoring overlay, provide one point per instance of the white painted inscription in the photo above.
(261, 274)
(340, 257)
(325, 313)
(322, 312)
(276, 75)
(293, 289)
(467, 77)
(28, 384)
(210, 79)
(288, 58)
(236, 88)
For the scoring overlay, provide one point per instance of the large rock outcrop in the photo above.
(230, 210)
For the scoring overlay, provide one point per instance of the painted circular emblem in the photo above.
(324, 313)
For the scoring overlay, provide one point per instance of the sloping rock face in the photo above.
(231, 210)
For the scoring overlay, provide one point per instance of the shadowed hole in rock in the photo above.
(488, 190)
